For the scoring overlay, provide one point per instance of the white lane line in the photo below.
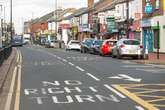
(139, 108)
(92, 76)
(70, 63)
(64, 60)
(79, 68)
(11, 91)
(59, 58)
(115, 91)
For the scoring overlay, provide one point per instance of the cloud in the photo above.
(23, 9)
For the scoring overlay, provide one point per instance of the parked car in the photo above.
(86, 45)
(49, 44)
(107, 46)
(128, 47)
(73, 45)
(95, 48)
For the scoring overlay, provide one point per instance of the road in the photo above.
(54, 79)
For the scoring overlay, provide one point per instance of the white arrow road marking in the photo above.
(126, 77)
(116, 77)
(139, 107)
(129, 78)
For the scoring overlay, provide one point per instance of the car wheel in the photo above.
(118, 55)
(113, 56)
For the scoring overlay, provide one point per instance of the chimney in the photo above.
(90, 3)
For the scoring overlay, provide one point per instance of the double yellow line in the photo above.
(18, 89)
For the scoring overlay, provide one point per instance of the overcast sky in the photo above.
(26, 9)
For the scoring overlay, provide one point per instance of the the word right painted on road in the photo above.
(68, 92)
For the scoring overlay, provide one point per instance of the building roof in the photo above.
(68, 10)
(76, 13)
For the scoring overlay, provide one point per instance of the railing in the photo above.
(5, 53)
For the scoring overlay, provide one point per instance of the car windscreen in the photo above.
(131, 42)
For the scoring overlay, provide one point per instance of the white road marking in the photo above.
(70, 63)
(115, 91)
(152, 70)
(137, 66)
(64, 60)
(92, 76)
(79, 68)
(10, 95)
(129, 78)
(59, 58)
(126, 77)
(139, 107)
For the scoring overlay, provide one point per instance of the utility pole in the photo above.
(158, 46)
(11, 19)
(127, 19)
(1, 34)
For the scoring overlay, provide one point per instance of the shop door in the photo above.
(148, 44)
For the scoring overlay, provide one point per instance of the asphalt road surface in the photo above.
(54, 79)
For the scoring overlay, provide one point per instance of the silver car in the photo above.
(128, 48)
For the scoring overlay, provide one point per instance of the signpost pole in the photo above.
(158, 40)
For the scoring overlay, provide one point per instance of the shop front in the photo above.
(147, 36)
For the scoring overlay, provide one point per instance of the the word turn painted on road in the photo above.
(70, 91)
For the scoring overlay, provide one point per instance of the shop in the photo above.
(147, 35)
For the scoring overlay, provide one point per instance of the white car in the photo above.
(73, 45)
(128, 48)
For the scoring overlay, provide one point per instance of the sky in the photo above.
(24, 10)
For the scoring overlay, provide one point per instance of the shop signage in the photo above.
(64, 26)
(152, 8)
(164, 5)
(146, 23)
(111, 27)
(148, 8)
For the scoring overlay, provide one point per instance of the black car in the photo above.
(95, 48)
(86, 45)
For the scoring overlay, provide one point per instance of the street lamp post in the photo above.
(1, 20)
(127, 21)
(11, 20)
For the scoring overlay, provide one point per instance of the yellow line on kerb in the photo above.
(135, 98)
(18, 90)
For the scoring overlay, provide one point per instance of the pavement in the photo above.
(5, 67)
(54, 79)
(6, 76)
(152, 59)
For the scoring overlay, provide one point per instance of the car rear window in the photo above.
(112, 42)
(98, 42)
(131, 42)
(74, 42)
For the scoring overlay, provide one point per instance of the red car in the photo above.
(106, 48)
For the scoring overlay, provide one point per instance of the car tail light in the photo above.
(122, 46)
(141, 46)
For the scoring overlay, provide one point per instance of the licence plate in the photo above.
(132, 51)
